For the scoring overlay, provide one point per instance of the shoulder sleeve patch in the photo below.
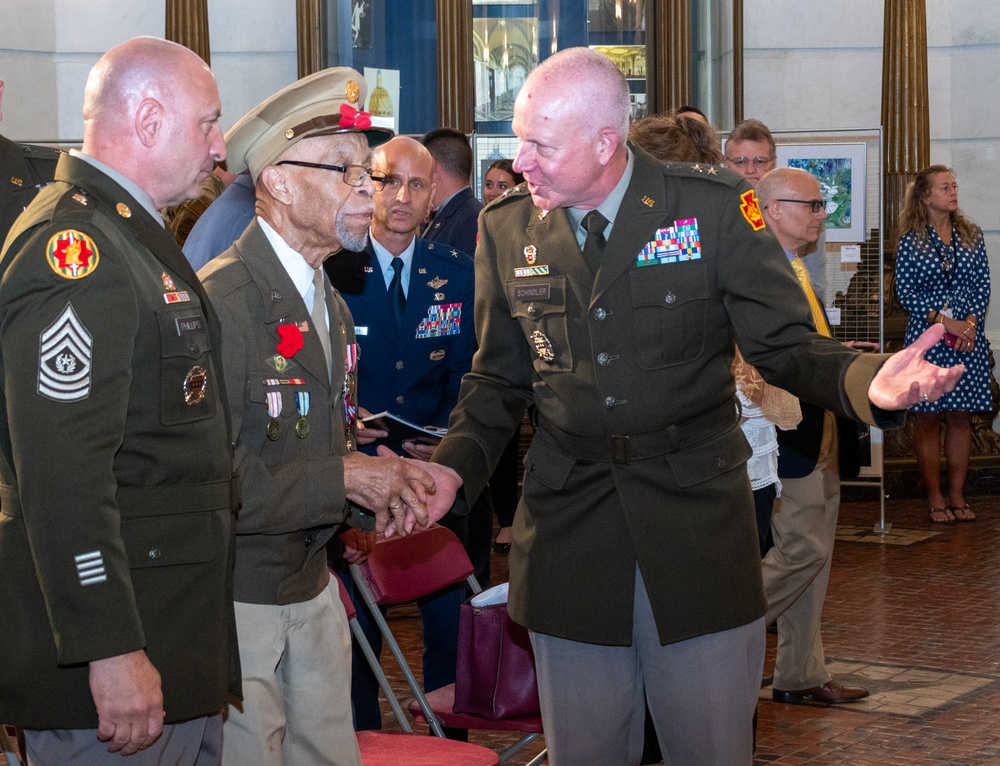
(72, 254)
(65, 353)
(751, 210)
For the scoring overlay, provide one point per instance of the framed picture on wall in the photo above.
(840, 170)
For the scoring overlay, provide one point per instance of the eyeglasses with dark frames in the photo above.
(814, 204)
(742, 162)
(354, 175)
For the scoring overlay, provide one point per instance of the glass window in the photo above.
(510, 38)
(712, 60)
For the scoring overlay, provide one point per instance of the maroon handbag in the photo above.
(495, 673)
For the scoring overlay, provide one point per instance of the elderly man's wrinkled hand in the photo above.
(447, 483)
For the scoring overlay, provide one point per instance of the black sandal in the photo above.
(948, 519)
(966, 512)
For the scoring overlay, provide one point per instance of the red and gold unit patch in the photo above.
(751, 210)
(72, 254)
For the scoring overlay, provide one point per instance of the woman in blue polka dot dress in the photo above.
(943, 276)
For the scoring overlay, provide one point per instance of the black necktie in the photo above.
(397, 298)
(593, 247)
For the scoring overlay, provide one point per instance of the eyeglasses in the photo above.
(814, 204)
(354, 175)
(742, 162)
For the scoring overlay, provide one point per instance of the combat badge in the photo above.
(64, 358)
(751, 210)
(543, 346)
(72, 254)
(195, 385)
(279, 363)
(530, 254)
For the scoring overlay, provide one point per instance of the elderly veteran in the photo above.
(290, 358)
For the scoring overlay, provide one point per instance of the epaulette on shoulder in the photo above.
(38, 153)
(703, 171)
(74, 206)
(451, 254)
(513, 193)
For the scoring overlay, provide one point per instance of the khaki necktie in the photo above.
(318, 317)
(818, 313)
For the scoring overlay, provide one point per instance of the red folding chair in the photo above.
(380, 748)
(366, 649)
(403, 569)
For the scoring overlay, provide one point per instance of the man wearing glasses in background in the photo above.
(751, 152)
(290, 361)
(813, 458)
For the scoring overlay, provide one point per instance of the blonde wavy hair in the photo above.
(914, 217)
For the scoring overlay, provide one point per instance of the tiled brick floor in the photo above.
(915, 617)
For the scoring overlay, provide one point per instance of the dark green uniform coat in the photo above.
(638, 457)
(24, 169)
(293, 482)
(115, 502)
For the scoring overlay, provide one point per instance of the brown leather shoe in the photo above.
(830, 693)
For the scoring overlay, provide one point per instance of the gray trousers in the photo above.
(702, 694)
(197, 742)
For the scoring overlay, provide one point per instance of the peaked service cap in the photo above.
(312, 106)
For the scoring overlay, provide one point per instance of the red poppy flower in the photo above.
(291, 340)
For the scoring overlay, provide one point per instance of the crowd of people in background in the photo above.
(186, 456)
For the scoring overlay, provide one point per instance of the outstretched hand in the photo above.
(907, 378)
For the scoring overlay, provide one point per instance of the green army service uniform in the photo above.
(288, 453)
(637, 460)
(116, 499)
(293, 423)
(24, 169)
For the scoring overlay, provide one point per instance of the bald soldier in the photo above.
(291, 358)
(610, 294)
(116, 504)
